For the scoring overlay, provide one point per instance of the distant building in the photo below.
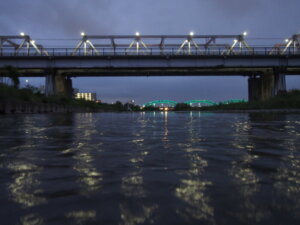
(86, 96)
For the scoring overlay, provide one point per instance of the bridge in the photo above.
(155, 55)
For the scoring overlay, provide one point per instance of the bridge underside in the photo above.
(266, 74)
(119, 72)
(263, 83)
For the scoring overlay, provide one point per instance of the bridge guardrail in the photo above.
(258, 51)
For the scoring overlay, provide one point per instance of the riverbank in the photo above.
(30, 100)
(285, 102)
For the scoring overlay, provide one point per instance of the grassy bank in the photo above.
(288, 100)
(32, 95)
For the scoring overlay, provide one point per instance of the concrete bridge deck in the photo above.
(155, 55)
(145, 65)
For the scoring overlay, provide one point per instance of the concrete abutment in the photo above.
(57, 83)
(266, 85)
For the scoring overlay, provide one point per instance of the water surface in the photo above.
(150, 168)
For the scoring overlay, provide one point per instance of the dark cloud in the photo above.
(56, 17)
(238, 8)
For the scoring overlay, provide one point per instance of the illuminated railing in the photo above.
(256, 51)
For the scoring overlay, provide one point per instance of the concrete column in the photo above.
(57, 83)
(49, 85)
(267, 85)
(261, 88)
(69, 87)
(280, 83)
(254, 88)
(60, 83)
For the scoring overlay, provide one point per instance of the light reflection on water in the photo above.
(150, 168)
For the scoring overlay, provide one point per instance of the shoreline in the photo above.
(20, 107)
(253, 111)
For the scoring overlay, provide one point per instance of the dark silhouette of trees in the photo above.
(182, 106)
(13, 74)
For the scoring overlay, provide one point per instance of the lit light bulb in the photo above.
(82, 34)
(137, 33)
(191, 33)
(286, 40)
(245, 33)
(22, 34)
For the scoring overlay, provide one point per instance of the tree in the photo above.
(182, 106)
(13, 74)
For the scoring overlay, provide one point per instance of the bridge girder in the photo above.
(150, 44)
(207, 102)
(144, 44)
(291, 44)
(17, 44)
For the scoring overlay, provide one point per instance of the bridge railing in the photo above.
(263, 51)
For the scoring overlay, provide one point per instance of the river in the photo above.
(150, 168)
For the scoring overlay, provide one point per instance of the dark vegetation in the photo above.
(33, 95)
(151, 108)
(182, 107)
(285, 100)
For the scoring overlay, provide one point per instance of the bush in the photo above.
(182, 107)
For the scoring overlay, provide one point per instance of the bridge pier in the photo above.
(267, 85)
(49, 85)
(280, 83)
(57, 83)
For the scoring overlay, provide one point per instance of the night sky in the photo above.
(273, 20)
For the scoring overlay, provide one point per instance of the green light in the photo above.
(207, 102)
(233, 101)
